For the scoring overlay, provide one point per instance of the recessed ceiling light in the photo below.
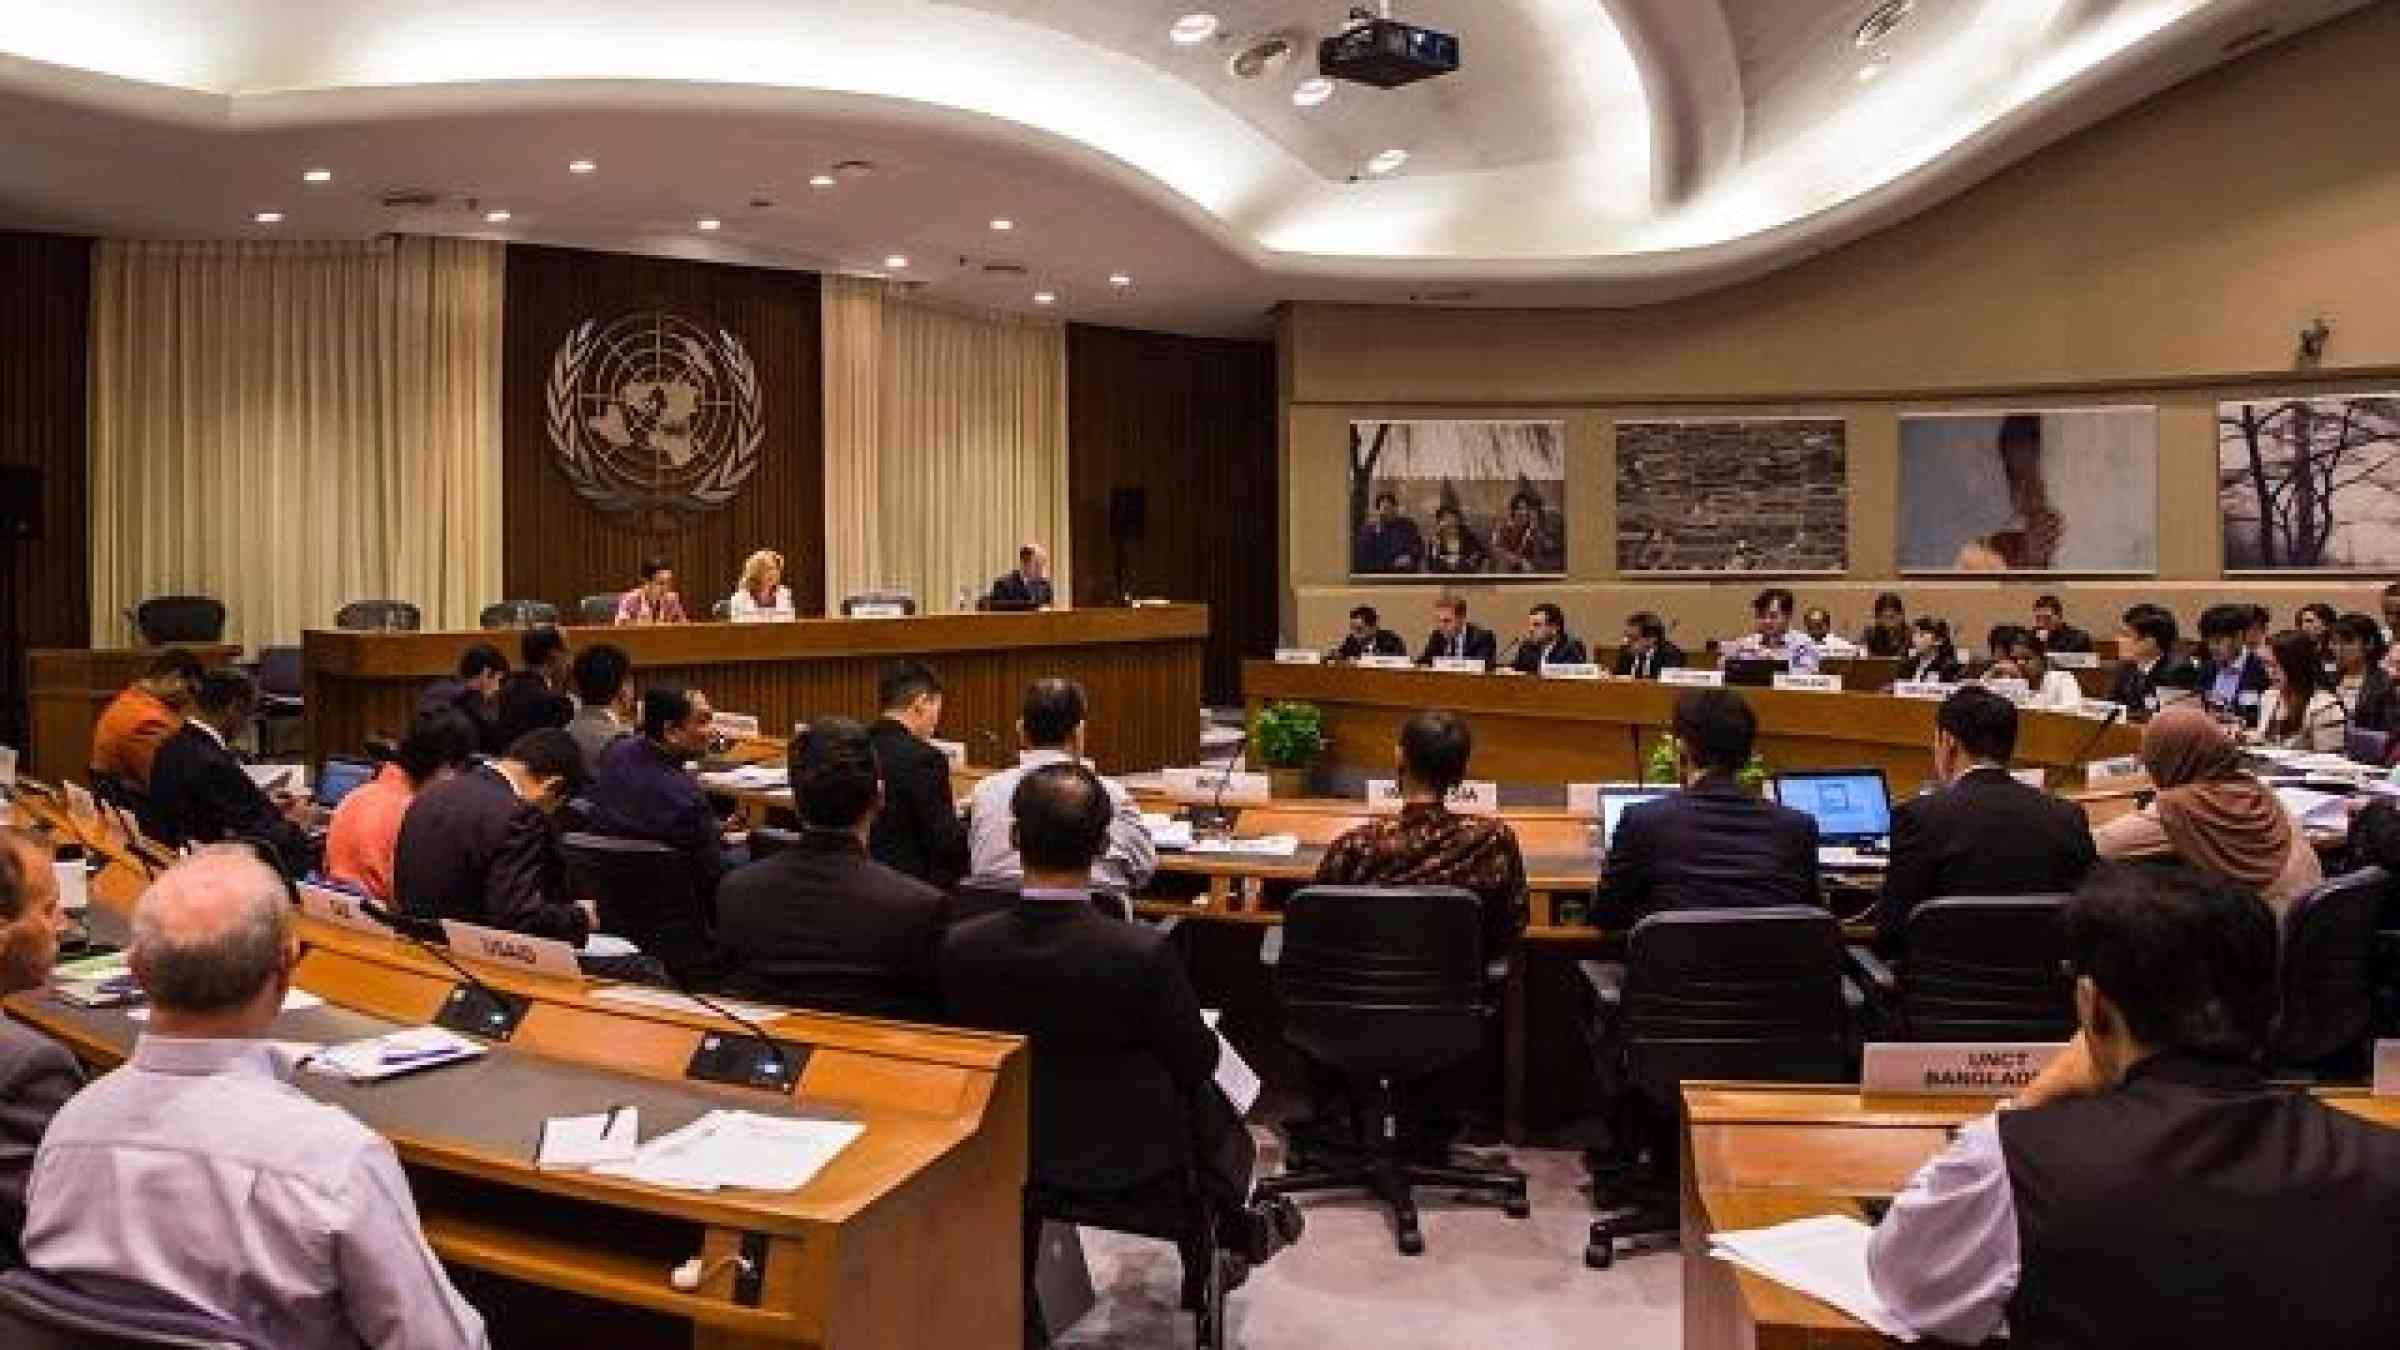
(822, 180)
(495, 217)
(1119, 280)
(317, 176)
(269, 217)
(580, 166)
(1045, 297)
(1193, 29)
(896, 261)
(1881, 20)
(709, 223)
(1387, 161)
(1003, 224)
(1312, 91)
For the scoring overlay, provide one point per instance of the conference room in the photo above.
(1706, 673)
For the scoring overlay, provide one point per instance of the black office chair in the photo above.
(906, 602)
(766, 841)
(721, 611)
(644, 893)
(1980, 968)
(1386, 986)
(282, 692)
(520, 614)
(597, 611)
(38, 1313)
(178, 618)
(1180, 1212)
(1742, 994)
(397, 616)
(2325, 980)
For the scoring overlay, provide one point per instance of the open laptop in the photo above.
(1852, 808)
(1613, 802)
(1755, 672)
(341, 776)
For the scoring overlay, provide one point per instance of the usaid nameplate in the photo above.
(517, 951)
(2387, 1068)
(1570, 670)
(1954, 1069)
(2073, 660)
(1694, 676)
(1202, 785)
(1459, 665)
(338, 908)
(1385, 661)
(1474, 797)
(1299, 656)
(1931, 690)
(2115, 770)
(734, 726)
(1812, 683)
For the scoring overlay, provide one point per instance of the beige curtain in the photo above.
(289, 427)
(960, 458)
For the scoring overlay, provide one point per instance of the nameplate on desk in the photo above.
(2098, 709)
(2037, 779)
(1459, 665)
(1299, 656)
(8, 766)
(2073, 660)
(1570, 670)
(2387, 1068)
(877, 609)
(338, 908)
(1954, 1069)
(80, 803)
(1474, 797)
(2015, 691)
(2115, 770)
(734, 726)
(518, 951)
(1813, 683)
(1202, 785)
(953, 751)
(1692, 675)
(1372, 661)
(1930, 690)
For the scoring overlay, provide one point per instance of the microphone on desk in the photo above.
(475, 1008)
(1215, 820)
(2084, 752)
(759, 1062)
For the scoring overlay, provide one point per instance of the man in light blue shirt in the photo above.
(1773, 639)
(1051, 726)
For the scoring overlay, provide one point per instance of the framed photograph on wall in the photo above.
(1451, 498)
(2310, 484)
(1758, 494)
(2031, 490)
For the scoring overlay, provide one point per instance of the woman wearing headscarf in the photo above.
(2211, 814)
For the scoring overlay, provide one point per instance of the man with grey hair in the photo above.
(197, 1180)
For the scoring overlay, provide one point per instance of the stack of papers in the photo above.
(97, 982)
(576, 1143)
(738, 1150)
(2316, 810)
(1823, 1257)
(381, 1057)
(1262, 846)
(1168, 833)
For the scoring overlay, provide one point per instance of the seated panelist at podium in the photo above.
(654, 600)
(760, 596)
(1367, 637)
(1453, 637)
(1818, 624)
(2050, 624)
(1546, 642)
(1646, 651)
(1028, 587)
(1773, 638)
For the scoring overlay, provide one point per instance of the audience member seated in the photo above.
(821, 924)
(1367, 637)
(1426, 844)
(653, 600)
(1453, 637)
(474, 691)
(126, 739)
(196, 1179)
(1050, 726)
(480, 847)
(2051, 626)
(1983, 833)
(1028, 587)
(1930, 653)
(2360, 681)
(1647, 651)
(2150, 1188)
(761, 594)
(603, 676)
(644, 790)
(2315, 622)
(1715, 844)
(1773, 638)
(1887, 636)
(2298, 711)
(534, 695)
(37, 1074)
(2211, 814)
(2147, 640)
(1546, 642)
(201, 794)
(1818, 624)
(1125, 1100)
(2232, 677)
(2027, 660)
(917, 831)
(366, 826)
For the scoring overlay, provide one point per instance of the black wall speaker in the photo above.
(20, 502)
(1128, 513)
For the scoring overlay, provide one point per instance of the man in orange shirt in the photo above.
(366, 826)
(140, 720)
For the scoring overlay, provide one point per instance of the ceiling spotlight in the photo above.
(580, 166)
(1387, 161)
(1881, 20)
(709, 223)
(1119, 280)
(896, 261)
(1312, 91)
(269, 217)
(1048, 297)
(1003, 224)
(495, 217)
(1193, 29)
(317, 176)
(821, 180)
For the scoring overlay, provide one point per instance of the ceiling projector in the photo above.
(1384, 52)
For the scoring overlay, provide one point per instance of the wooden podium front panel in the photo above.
(69, 687)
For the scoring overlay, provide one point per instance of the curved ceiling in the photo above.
(1589, 152)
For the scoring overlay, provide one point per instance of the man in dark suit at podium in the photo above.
(1453, 636)
(1028, 587)
(1368, 637)
(1546, 642)
(1646, 651)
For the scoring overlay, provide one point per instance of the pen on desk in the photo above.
(609, 1126)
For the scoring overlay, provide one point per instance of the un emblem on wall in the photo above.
(654, 416)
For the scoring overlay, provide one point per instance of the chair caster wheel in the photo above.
(1412, 1243)
(1600, 1255)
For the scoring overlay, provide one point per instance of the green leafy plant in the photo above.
(1289, 735)
(1665, 761)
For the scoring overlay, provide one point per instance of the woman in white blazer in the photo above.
(761, 596)
(2027, 660)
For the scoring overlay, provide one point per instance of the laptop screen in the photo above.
(1849, 804)
(1755, 672)
(1613, 802)
(341, 775)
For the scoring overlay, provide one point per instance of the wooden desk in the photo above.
(69, 687)
(1758, 1154)
(1545, 731)
(1140, 668)
(910, 1238)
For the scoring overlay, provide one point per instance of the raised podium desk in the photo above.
(1139, 667)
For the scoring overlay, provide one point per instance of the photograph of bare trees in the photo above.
(1446, 498)
(2310, 483)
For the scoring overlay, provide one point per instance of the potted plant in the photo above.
(1289, 737)
(1666, 752)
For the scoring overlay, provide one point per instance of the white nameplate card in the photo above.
(1373, 661)
(2073, 660)
(878, 609)
(1815, 684)
(1459, 665)
(74, 885)
(1203, 785)
(1299, 656)
(517, 951)
(1957, 1069)
(2015, 691)
(2099, 709)
(734, 726)
(1570, 670)
(1583, 799)
(954, 751)
(2387, 1068)
(2037, 779)
(2115, 770)
(1692, 675)
(339, 909)
(1931, 690)
(1474, 797)
(8, 766)
(80, 802)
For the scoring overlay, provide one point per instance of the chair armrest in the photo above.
(1871, 970)
(1606, 979)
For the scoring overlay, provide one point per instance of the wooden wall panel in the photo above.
(45, 344)
(557, 547)
(1191, 422)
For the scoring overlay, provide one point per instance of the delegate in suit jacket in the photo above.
(2251, 685)
(919, 832)
(471, 849)
(2137, 690)
(1474, 642)
(1015, 588)
(526, 703)
(1634, 665)
(643, 792)
(200, 794)
(822, 925)
(37, 1075)
(1384, 643)
(1713, 845)
(1986, 834)
(1566, 651)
